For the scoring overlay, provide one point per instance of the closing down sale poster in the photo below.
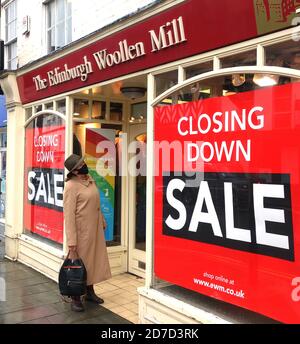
(227, 199)
(44, 177)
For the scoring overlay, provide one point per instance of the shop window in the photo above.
(247, 58)
(44, 179)
(38, 108)
(59, 23)
(99, 109)
(3, 140)
(138, 112)
(286, 54)
(116, 111)
(259, 118)
(61, 106)
(11, 34)
(225, 86)
(110, 187)
(12, 61)
(198, 69)
(81, 108)
(165, 81)
(49, 106)
(28, 113)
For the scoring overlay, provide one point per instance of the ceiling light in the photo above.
(238, 79)
(133, 92)
(263, 80)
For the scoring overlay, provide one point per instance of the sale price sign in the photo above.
(227, 200)
(44, 177)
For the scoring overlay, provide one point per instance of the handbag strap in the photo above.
(70, 252)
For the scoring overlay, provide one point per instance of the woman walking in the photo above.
(84, 225)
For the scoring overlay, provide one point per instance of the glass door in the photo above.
(137, 200)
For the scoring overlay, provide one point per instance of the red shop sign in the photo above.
(227, 203)
(184, 30)
(44, 177)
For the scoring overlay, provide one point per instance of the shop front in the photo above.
(179, 124)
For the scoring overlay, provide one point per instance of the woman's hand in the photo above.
(73, 252)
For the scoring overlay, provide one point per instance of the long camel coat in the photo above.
(84, 223)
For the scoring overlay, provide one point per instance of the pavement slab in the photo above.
(32, 298)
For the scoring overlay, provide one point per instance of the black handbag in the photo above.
(72, 277)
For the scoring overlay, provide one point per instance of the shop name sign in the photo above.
(168, 35)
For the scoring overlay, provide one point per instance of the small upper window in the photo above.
(11, 34)
(59, 24)
(11, 21)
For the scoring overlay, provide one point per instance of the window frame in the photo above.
(52, 5)
(11, 42)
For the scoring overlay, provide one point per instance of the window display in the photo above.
(227, 219)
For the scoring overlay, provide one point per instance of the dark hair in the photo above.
(70, 175)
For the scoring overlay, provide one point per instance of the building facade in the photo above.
(36, 28)
(174, 72)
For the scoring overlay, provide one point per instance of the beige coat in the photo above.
(84, 227)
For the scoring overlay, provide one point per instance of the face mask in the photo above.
(83, 170)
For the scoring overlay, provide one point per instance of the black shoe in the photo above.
(93, 298)
(77, 305)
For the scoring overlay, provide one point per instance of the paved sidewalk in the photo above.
(121, 296)
(32, 298)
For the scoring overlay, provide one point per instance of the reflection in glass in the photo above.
(225, 86)
(49, 106)
(61, 106)
(165, 81)
(198, 69)
(285, 54)
(247, 58)
(38, 108)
